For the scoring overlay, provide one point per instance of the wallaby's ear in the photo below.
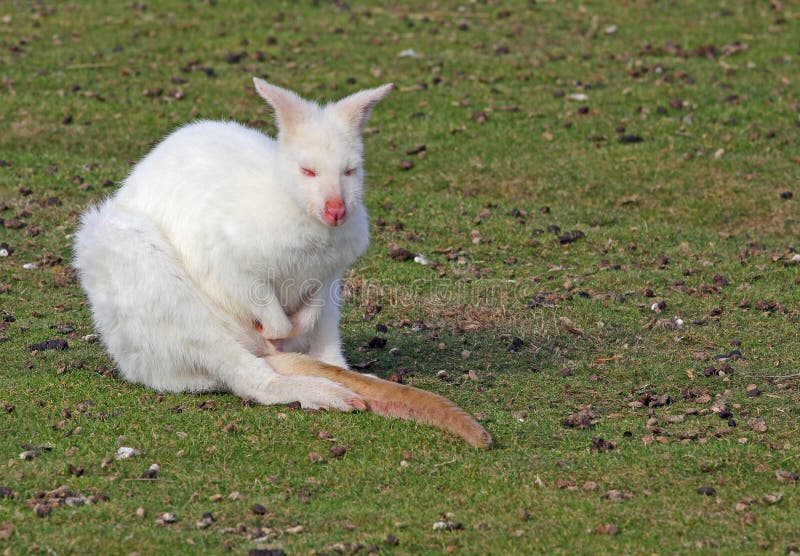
(289, 107)
(356, 108)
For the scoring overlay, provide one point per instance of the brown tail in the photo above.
(389, 398)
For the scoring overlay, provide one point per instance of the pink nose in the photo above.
(335, 211)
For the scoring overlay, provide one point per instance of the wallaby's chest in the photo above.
(299, 268)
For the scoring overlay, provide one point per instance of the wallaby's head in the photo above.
(320, 149)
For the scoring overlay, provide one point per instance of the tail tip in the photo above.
(482, 440)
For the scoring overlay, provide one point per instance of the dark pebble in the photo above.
(786, 195)
(731, 422)
(515, 344)
(235, 57)
(266, 552)
(480, 117)
(553, 229)
(150, 474)
(602, 445)
(391, 540)
(571, 236)
(707, 490)
(13, 224)
(381, 328)
(52, 344)
(400, 254)
(258, 509)
(630, 139)
(725, 414)
(6, 492)
(416, 150)
(364, 365)
(337, 451)
(376, 342)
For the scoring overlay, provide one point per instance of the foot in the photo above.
(319, 393)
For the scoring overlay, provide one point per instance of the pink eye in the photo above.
(309, 172)
(350, 172)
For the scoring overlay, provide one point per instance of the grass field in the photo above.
(642, 381)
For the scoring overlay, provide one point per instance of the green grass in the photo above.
(79, 103)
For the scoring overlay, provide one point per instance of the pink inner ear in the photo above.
(358, 106)
(289, 107)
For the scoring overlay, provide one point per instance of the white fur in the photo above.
(218, 229)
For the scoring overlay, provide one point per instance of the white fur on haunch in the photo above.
(217, 247)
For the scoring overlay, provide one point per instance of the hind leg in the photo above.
(160, 328)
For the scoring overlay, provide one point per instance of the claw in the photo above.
(358, 404)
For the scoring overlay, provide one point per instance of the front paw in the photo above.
(304, 320)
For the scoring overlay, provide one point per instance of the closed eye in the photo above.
(350, 172)
(308, 172)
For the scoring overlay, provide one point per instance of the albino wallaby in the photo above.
(217, 264)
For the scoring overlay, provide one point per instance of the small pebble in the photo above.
(167, 517)
(205, 521)
(125, 452)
